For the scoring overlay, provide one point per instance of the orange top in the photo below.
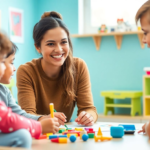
(36, 90)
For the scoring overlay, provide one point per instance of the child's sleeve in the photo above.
(10, 122)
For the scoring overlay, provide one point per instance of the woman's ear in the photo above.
(38, 49)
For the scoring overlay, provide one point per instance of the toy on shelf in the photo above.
(102, 29)
(100, 136)
(147, 70)
(72, 138)
(85, 137)
(117, 131)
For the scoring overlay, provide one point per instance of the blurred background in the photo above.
(109, 68)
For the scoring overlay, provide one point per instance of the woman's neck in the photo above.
(50, 70)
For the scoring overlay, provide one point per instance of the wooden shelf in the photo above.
(119, 105)
(117, 35)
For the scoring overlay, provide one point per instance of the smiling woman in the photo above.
(57, 77)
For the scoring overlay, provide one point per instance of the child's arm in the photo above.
(16, 108)
(10, 122)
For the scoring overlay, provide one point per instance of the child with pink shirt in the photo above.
(15, 129)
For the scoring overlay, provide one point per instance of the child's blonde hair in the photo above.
(145, 8)
(5, 44)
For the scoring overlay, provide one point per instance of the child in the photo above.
(14, 129)
(143, 15)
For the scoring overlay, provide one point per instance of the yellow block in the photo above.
(79, 129)
(48, 134)
(99, 132)
(68, 135)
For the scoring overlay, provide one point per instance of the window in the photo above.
(93, 13)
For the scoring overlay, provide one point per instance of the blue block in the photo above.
(57, 136)
(128, 127)
(117, 131)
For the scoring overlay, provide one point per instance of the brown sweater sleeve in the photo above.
(84, 95)
(25, 89)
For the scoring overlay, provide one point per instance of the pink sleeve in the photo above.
(10, 122)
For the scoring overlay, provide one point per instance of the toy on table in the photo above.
(57, 136)
(42, 137)
(68, 135)
(71, 132)
(102, 29)
(85, 137)
(100, 136)
(79, 129)
(81, 133)
(128, 129)
(72, 138)
(117, 131)
(59, 140)
(61, 130)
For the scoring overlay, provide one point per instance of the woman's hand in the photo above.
(49, 125)
(60, 116)
(85, 118)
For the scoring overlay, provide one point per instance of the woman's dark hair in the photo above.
(13, 50)
(51, 20)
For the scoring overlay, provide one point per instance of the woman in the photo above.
(56, 77)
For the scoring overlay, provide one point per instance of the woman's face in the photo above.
(54, 47)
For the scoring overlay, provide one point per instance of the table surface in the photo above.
(128, 142)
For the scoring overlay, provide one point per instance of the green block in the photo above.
(91, 135)
(61, 131)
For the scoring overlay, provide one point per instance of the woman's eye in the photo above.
(64, 42)
(145, 33)
(50, 44)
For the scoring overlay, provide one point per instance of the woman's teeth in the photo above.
(58, 56)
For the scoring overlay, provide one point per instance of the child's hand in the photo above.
(50, 125)
(85, 118)
(60, 116)
(143, 129)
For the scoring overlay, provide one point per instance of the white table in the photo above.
(128, 142)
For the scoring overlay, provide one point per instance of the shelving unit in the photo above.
(117, 35)
(146, 95)
(135, 105)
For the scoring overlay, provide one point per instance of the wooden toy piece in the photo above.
(102, 138)
(81, 133)
(68, 135)
(99, 132)
(51, 106)
(79, 129)
(42, 137)
(85, 137)
(72, 138)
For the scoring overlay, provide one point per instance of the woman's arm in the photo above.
(26, 89)
(84, 94)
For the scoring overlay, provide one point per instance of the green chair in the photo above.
(135, 104)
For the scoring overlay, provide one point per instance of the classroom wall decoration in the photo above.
(16, 25)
